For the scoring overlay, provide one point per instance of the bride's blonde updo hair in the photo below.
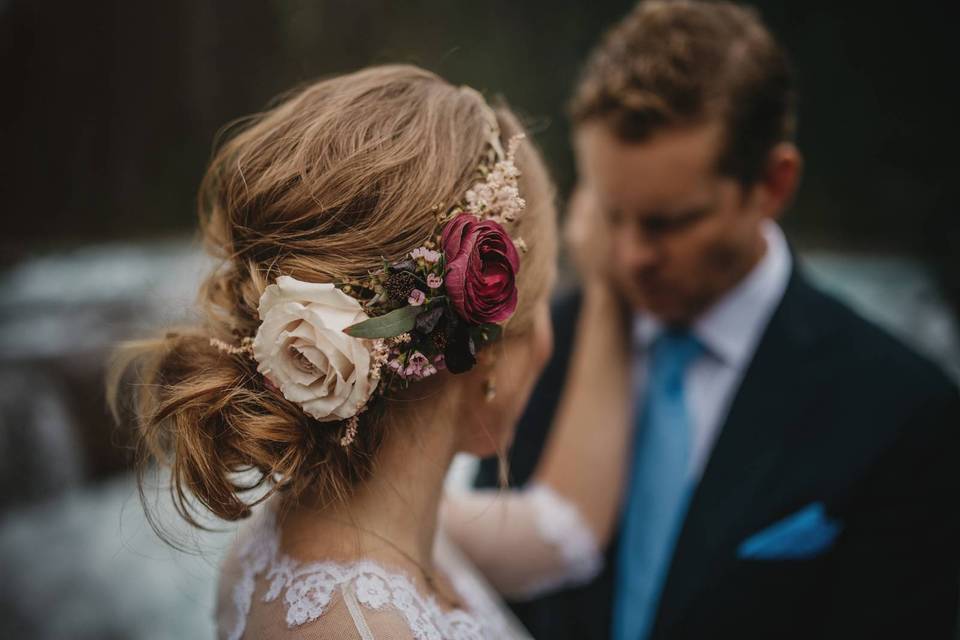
(323, 186)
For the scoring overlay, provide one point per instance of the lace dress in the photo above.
(267, 594)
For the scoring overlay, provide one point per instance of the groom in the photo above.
(795, 470)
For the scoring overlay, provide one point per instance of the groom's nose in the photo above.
(635, 252)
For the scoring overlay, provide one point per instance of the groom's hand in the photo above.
(587, 236)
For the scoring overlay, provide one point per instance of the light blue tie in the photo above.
(659, 487)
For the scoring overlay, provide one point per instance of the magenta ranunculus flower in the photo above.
(482, 265)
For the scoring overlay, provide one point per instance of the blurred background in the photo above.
(108, 119)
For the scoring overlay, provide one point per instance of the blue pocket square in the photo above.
(804, 534)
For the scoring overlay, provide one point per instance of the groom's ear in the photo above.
(781, 177)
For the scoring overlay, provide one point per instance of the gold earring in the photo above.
(489, 390)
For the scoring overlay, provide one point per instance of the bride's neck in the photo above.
(394, 513)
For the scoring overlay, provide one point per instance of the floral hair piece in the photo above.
(329, 347)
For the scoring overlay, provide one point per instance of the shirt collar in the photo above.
(731, 328)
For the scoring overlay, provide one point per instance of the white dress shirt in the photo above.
(729, 331)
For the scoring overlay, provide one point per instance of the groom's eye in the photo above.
(675, 222)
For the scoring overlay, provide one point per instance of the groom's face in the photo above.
(680, 234)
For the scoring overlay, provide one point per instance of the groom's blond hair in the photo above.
(677, 62)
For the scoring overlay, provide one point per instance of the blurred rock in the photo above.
(60, 315)
(38, 438)
(899, 294)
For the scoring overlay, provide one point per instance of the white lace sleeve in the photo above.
(526, 542)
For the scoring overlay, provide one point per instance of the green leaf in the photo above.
(386, 326)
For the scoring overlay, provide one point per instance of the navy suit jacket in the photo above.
(833, 410)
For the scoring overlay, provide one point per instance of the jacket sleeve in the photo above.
(898, 561)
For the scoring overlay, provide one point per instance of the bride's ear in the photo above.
(487, 359)
(475, 383)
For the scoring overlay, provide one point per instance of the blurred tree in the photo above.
(111, 107)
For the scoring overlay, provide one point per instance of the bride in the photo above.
(387, 245)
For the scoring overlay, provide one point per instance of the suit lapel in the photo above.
(745, 458)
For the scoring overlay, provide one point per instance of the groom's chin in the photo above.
(641, 303)
(665, 306)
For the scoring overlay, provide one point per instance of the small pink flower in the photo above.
(434, 281)
(416, 363)
(417, 297)
(418, 367)
(429, 256)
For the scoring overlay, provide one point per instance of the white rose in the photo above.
(300, 347)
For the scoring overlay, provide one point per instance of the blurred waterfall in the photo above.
(59, 317)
